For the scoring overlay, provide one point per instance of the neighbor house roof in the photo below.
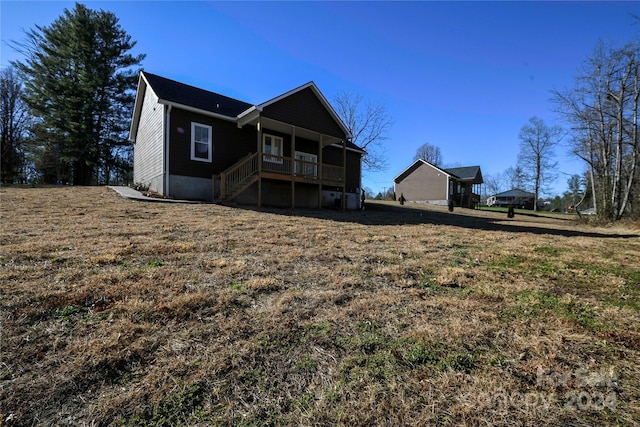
(468, 173)
(515, 192)
(415, 165)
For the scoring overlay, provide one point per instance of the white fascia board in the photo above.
(424, 162)
(338, 145)
(284, 95)
(196, 110)
(438, 169)
(406, 169)
(320, 96)
(248, 116)
(143, 87)
(447, 188)
(249, 111)
(137, 106)
(329, 108)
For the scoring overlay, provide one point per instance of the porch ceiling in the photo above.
(288, 129)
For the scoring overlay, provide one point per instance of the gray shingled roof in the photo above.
(467, 173)
(191, 96)
(183, 94)
(515, 192)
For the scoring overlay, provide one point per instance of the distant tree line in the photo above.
(602, 111)
(66, 107)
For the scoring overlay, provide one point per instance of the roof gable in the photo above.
(298, 105)
(304, 106)
(414, 166)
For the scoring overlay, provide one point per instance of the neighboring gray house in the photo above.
(516, 197)
(290, 151)
(425, 182)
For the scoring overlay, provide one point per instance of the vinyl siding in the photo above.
(229, 144)
(304, 109)
(353, 172)
(423, 184)
(147, 152)
(333, 156)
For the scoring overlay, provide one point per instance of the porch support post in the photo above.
(320, 176)
(344, 174)
(293, 167)
(259, 142)
(213, 187)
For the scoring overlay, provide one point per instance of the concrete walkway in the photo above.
(130, 193)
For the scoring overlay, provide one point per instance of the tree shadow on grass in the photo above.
(386, 214)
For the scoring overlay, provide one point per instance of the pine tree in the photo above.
(79, 81)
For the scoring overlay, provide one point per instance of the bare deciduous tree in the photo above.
(603, 111)
(515, 177)
(368, 123)
(494, 183)
(537, 151)
(429, 153)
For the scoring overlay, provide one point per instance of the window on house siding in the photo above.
(306, 164)
(200, 142)
(272, 145)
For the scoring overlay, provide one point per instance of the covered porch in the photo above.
(302, 162)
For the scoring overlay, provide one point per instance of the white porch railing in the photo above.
(233, 178)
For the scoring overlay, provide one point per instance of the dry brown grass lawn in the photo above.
(117, 312)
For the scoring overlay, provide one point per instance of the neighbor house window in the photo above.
(200, 142)
(272, 145)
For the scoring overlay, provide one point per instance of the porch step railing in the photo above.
(242, 174)
(238, 176)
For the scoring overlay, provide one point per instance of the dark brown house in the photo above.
(290, 151)
(425, 182)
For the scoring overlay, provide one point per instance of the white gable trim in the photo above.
(196, 110)
(426, 163)
(248, 116)
(143, 86)
(339, 145)
(319, 95)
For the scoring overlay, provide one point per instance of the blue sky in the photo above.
(465, 76)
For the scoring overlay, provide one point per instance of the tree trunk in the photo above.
(82, 173)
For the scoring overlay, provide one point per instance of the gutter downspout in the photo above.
(447, 191)
(344, 174)
(167, 122)
(358, 196)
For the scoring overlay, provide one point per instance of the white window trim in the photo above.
(266, 156)
(193, 142)
(314, 173)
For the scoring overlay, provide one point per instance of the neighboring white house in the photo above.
(515, 197)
